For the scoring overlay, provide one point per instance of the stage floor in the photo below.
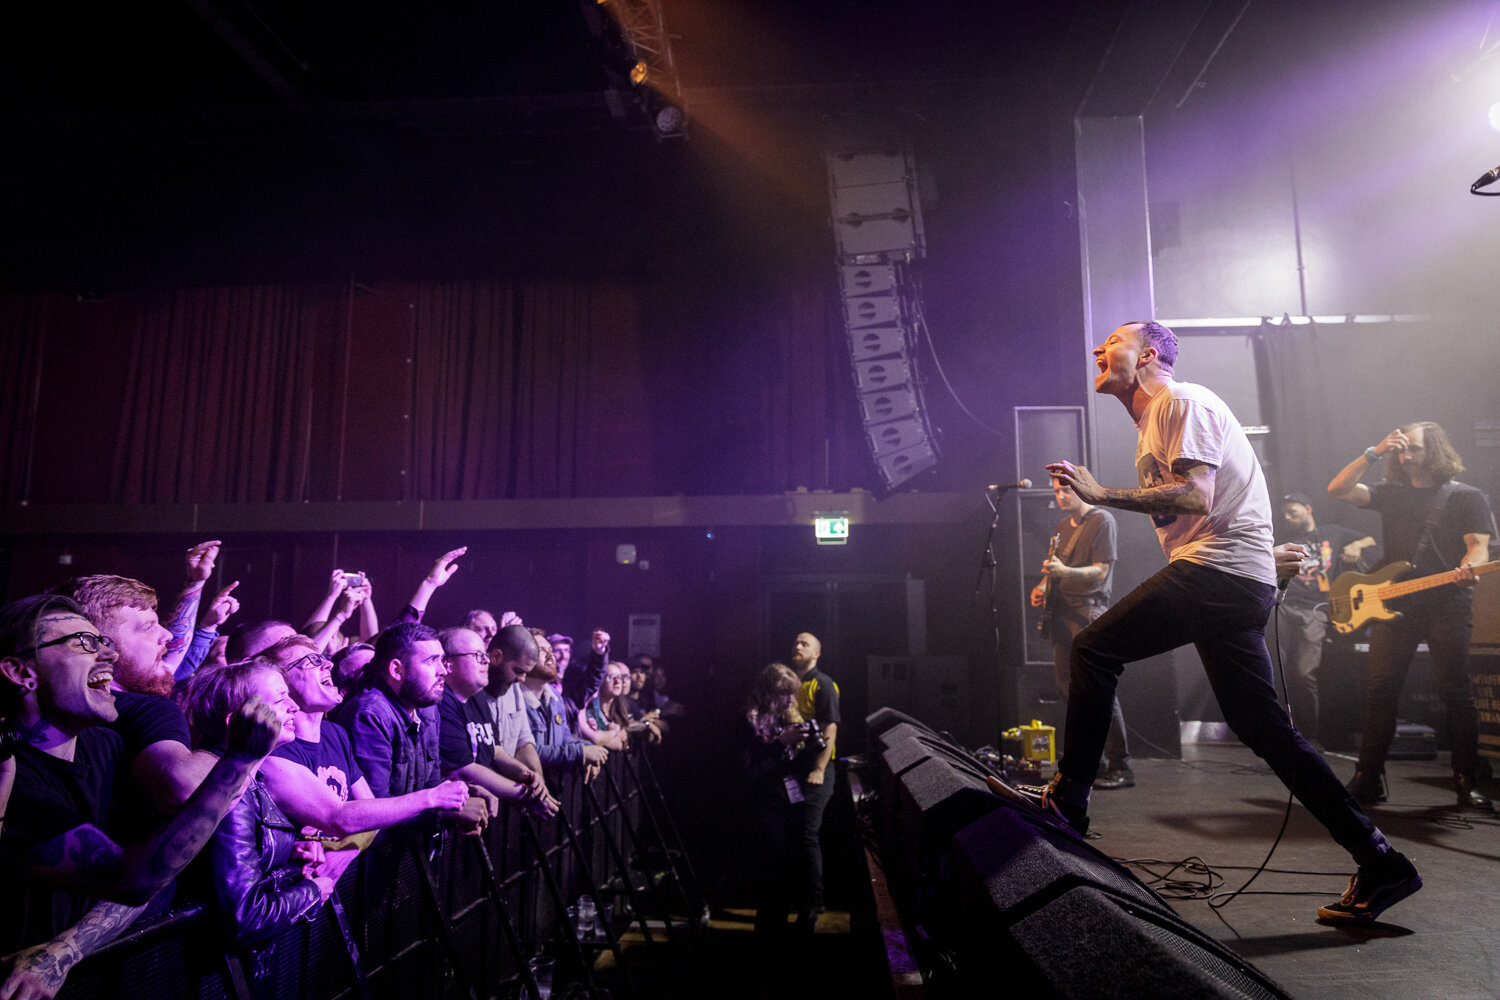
(1221, 805)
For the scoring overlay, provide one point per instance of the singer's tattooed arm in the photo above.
(1190, 492)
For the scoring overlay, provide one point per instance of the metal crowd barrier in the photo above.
(448, 916)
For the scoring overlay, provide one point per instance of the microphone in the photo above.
(1485, 180)
(1019, 484)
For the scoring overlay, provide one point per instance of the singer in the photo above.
(1202, 486)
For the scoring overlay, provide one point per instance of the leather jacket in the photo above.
(261, 892)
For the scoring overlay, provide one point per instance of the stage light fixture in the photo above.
(669, 121)
(640, 72)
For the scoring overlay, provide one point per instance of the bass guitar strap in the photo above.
(1434, 515)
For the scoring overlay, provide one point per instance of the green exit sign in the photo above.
(831, 528)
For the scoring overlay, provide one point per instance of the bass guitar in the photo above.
(1357, 598)
(1044, 623)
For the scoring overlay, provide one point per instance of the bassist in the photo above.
(1436, 523)
(1075, 590)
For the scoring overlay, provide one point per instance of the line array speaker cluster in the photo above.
(877, 223)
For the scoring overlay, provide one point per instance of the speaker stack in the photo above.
(877, 225)
(998, 896)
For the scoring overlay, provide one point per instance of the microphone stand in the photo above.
(987, 565)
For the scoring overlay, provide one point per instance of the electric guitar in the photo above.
(1044, 623)
(1356, 598)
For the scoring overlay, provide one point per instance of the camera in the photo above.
(354, 579)
(815, 736)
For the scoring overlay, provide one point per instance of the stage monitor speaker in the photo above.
(1012, 858)
(1085, 944)
(882, 719)
(933, 801)
(1064, 920)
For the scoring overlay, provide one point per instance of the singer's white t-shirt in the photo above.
(1187, 421)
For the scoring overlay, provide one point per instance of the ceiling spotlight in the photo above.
(639, 71)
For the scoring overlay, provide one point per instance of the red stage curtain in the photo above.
(23, 320)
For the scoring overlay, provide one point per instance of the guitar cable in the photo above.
(1215, 902)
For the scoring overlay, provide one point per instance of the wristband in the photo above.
(1371, 455)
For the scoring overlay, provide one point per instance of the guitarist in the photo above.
(1332, 549)
(1434, 522)
(1075, 590)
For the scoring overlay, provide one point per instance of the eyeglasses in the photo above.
(89, 642)
(482, 659)
(313, 661)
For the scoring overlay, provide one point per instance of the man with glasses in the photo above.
(71, 887)
(315, 779)
(470, 742)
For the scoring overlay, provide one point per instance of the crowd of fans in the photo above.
(145, 760)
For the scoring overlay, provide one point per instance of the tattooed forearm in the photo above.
(101, 925)
(191, 828)
(181, 622)
(44, 967)
(1191, 491)
(1165, 499)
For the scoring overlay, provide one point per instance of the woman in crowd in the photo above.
(771, 739)
(263, 879)
(605, 719)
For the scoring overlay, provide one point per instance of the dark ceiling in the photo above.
(235, 139)
(66, 56)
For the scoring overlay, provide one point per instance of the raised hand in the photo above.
(200, 560)
(350, 600)
(445, 567)
(222, 607)
(1079, 478)
(1394, 441)
(253, 730)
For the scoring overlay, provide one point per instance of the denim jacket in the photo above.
(399, 755)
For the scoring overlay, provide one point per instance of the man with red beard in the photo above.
(66, 878)
(155, 734)
(548, 716)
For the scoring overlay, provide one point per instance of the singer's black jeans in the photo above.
(1224, 617)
